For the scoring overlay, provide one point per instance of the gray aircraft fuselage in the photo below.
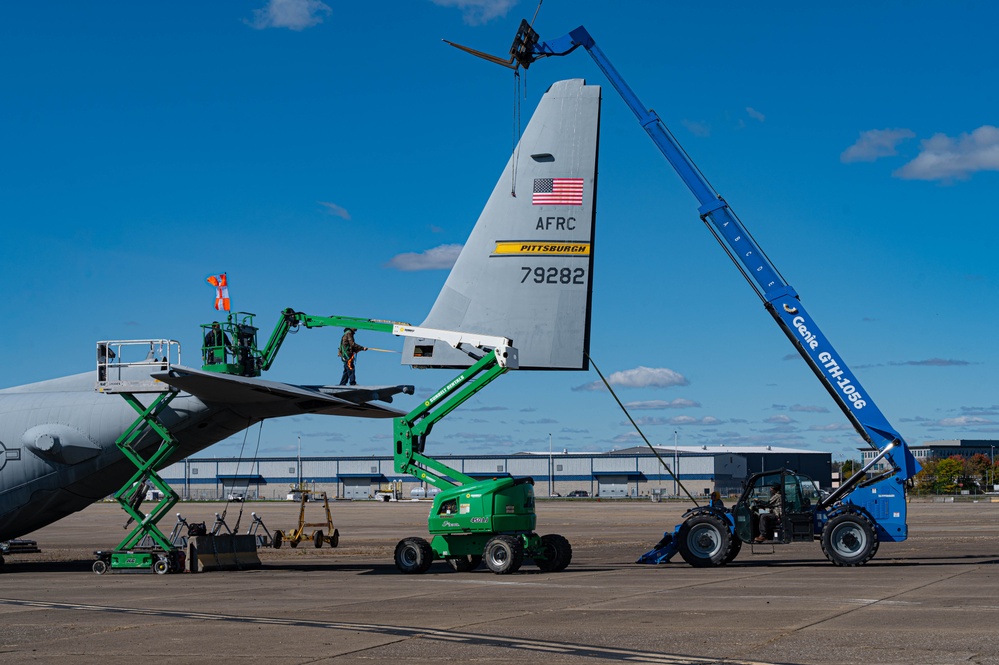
(57, 437)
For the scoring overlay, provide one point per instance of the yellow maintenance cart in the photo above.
(318, 537)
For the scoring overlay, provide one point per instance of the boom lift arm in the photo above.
(248, 360)
(494, 356)
(471, 519)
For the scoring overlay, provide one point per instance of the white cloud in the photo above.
(688, 420)
(335, 210)
(291, 14)
(655, 404)
(932, 362)
(441, 257)
(640, 377)
(697, 127)
(944, 158)
(478, 12)
(802, 408)
(832, 427)
(754, 114)
(875, 143)
(964, 421)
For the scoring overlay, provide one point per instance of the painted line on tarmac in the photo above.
(476, 639)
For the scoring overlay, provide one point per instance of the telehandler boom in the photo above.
(851, 521)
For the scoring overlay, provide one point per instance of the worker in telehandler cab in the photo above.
(770, 520)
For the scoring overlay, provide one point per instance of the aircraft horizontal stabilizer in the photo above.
(271, 399)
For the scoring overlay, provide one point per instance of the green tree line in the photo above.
(954, 474)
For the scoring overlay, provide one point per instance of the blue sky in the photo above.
(329, 156)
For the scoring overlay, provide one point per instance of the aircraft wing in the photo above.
(271, 399)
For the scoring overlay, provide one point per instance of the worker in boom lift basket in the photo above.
(348, 354)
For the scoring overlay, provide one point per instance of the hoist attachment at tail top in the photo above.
(856, 519)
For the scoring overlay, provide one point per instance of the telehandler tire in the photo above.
(733, 551)
(849, 539)
(705, 540)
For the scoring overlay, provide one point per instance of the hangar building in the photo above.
(635, 472)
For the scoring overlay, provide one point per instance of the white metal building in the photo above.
(635, 472)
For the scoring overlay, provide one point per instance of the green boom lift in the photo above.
(471, 520)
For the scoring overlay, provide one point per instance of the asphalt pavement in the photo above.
(933, 599)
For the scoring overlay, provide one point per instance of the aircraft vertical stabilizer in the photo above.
(526, 271)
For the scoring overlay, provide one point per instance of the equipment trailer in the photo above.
(863, 512)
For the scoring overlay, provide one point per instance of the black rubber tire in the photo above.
(465, 564)
(317, 539)
(704, 540)
(504, 554)
(293, 543)
(557, 551)
(277, 540)
(335, 538)
(849, 539)
(161, 566)
(733, 551)
(413, 556)
(100, 566)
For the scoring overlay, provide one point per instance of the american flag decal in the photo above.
(558, 191)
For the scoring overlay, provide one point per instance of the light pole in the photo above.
(676, 465)
(992, 467)
(551, 468)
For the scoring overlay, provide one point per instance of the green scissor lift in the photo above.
(145, 547)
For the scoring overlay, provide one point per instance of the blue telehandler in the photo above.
(867, 509)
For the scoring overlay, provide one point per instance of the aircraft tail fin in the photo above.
(526, 271)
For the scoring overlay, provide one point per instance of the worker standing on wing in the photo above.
(348, 354)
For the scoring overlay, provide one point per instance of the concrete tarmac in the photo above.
(933, 599)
